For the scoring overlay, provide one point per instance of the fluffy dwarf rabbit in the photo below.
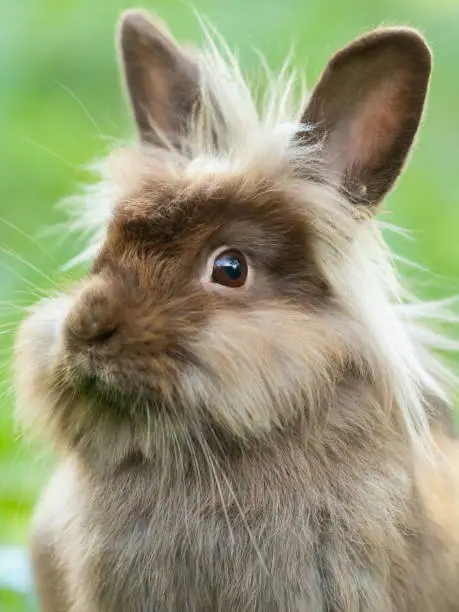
(247, 413)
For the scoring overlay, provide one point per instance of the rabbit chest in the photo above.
(138, 542)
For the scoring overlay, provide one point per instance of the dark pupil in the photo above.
(231, 266)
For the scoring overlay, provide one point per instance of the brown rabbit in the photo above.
(248, 414)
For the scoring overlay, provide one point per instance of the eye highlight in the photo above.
(230, 269)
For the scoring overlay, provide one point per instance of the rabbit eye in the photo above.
(230, 269)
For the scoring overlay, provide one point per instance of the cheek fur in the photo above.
(39, 349)
(265, 368)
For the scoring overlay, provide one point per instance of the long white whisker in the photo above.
(21, 259)
(83, 108)
(244, 520)
(50, 152)
(207, 453)
(29, 238)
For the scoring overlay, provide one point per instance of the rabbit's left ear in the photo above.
(366, 109)
(162, 80)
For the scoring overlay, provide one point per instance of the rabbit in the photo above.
(247, 408)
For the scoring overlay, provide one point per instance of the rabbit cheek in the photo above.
(39, 353)
(258, 372)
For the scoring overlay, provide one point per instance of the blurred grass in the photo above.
(60, 95)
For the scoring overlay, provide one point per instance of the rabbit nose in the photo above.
(90, 331)
(92, 320)
(100, 334)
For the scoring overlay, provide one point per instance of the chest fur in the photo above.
(228, 544)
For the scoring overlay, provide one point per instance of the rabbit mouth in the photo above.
(120, 392)
(99, 393)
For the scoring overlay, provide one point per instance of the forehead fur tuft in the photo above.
(231, 133)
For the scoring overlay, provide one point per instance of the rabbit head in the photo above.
(237, 278)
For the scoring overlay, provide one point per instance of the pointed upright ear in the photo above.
(366, 109)
(162, 81)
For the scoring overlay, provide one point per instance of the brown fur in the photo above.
(238, 449)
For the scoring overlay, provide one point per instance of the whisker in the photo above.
(29, 238)
(13, 306)
(27, 263)
(7, 393)
(207, 455)
(161, 446)
(23, 279)
(83, 108)
(180, 465)
(50, 152)
(244, 520)
(148, 445)
(6, 365)
(30, 293)
(195, 463)
(241, 513)
(8, 324)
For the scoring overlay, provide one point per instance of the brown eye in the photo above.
(230, 269)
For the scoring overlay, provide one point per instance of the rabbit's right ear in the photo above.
(366, 108)
(162, 81)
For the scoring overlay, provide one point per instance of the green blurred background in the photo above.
(60, 96)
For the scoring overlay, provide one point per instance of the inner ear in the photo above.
(366, 109)
(162, 80)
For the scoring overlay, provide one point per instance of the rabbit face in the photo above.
(203, 303)
(230, 292)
